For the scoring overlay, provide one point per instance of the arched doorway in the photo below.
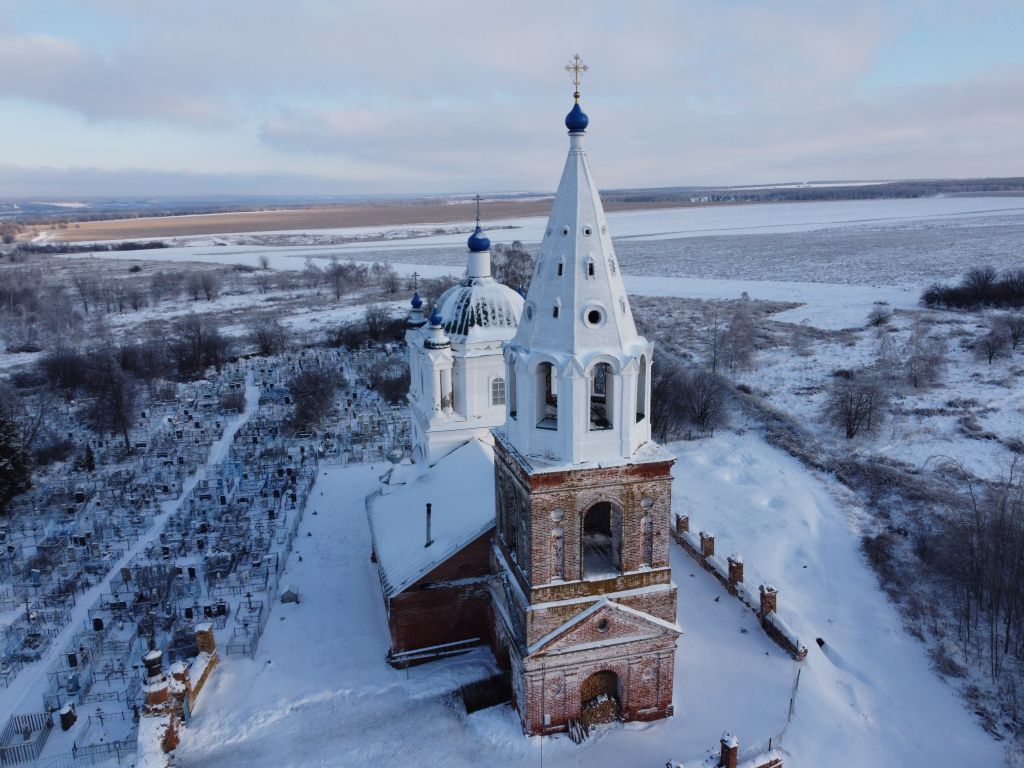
(601, 542)
(600, 698)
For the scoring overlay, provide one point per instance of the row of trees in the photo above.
(979, 287)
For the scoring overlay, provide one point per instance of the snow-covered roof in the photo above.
(460, 488)
(480, 309)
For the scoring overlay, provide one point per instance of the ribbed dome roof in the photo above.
(480, 309)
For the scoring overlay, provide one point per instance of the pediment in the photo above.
(602, 624)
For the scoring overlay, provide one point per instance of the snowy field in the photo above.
(319, 692)
(834, 257)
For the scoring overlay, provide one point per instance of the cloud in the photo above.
(457, 95)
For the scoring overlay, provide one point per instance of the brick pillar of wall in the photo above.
(735, 569)
(707, 544)
(204, 638)
(682, 523)
(769, 600)
(729, 755)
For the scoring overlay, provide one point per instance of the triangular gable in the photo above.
(586, 629)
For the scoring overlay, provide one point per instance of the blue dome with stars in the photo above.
(478, 242)
(416, 302)
(576, 121)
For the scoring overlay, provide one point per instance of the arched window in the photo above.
(498, 391)
(641, 390)
(590, 268)
(547, 397)
(601, 542)
(601, 396)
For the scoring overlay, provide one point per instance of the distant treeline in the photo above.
(894, 189)
(980, 287)
(128, 245)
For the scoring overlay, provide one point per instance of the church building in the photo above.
(536, 517)
(583, 606)
(432, 521)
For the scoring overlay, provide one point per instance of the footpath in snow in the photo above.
(25, 693)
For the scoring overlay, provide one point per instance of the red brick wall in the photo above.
(447, 605)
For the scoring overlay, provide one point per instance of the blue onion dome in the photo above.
(576, 121)
(435, 316)
(478, 242)
(416, 302)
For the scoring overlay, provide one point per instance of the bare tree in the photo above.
(269, 335)
(196, 345)
(924, 356)
(377, 317)
(980, 280)
(993, 344)
(880, 315)
(264, 261)
(512, 265)
(704, 396)
(85, 285)
(113, 408)
(312, 392)
(740, 337)
(1012, 324)
(856, 405)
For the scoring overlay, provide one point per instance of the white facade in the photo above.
(579, 373)
(457, 386)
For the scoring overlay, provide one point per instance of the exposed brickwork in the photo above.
(538, 551)
(769, 600)
(730, 576)
(447, 605)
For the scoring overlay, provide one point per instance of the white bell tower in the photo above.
(580, 384)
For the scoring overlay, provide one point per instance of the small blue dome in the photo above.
(435, 317)
(479, 242)
(576, 121)
(416, 302)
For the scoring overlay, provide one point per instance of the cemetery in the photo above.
(120, 585)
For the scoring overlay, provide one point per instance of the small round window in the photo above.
(565, 230)
(594, 317)
(603, 626)
(588, 231)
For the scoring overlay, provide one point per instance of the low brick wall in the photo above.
(729, 573)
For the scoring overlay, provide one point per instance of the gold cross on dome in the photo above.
(576, 66)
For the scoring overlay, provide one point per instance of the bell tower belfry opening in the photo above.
(583, 606)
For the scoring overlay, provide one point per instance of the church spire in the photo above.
(577, 331)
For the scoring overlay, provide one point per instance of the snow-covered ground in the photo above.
(319, 692)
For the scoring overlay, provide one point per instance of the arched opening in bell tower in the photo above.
(547, 397)
(602, 383)
(601, 542)
(641, 390)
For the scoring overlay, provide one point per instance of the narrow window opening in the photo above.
(554, 311)
(641, 391)
(590, 268)
(561, 268)
(601, 542)
(601, 390)
(547, 397)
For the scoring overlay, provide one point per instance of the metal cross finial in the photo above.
(477, 198)
(576, 66)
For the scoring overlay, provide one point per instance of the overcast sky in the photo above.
(337, 97)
